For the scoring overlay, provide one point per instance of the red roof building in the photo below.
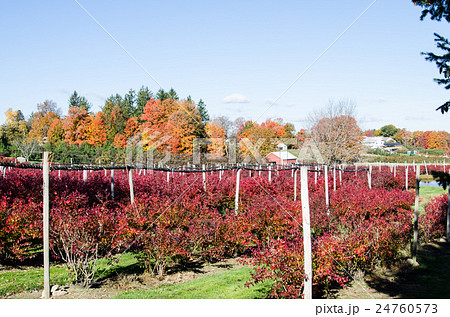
(281, 158)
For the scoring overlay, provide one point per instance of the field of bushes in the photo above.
(177, 221)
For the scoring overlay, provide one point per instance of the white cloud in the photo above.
(95, 95)
(270, 102)
(417, 118)
(380, 100)
(302, 119)
(369, 119)
(64, 91)
(236, 98)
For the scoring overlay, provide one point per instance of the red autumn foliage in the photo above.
(177, 221)
(432, 224)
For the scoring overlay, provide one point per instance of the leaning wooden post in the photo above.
(130, 181)
(369, 176)
(236, 198)
(46, 217)
(295, 184)
(307, 257)
(327, 199)
(112, 180)
(416, 217)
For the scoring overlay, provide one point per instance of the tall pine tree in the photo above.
(79, 101)
(438, 10)
(201, 106)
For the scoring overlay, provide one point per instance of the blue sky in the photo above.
(238, 56)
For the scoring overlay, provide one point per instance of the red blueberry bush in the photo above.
(178, 221)
(432, 224)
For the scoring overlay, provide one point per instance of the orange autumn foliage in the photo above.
(217, 137)
(179, 121)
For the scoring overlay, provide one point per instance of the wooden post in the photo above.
(340, 174)
(416, 217)
(236, 198)
(315, 175)
(130, 181)
(112, 181)
(395, 170)
(204, 177)
(448, 216)
(46, 217)
(369, 176)
(334, 178)
(327, 199)
(406, 177)
(168, 176)
(270, 174)
(84, 175)
(295, 184)
(307, 258)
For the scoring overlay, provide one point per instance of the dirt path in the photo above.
(428, 280)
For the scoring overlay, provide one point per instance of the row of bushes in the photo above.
(177, 221)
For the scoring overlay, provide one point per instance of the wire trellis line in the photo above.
(180, 169)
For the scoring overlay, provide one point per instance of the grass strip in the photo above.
(226, 285)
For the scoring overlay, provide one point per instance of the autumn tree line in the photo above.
(163, 120)
(419, 139)
(166, 125)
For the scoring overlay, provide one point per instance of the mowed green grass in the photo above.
(20, 280)
(426, 194)
(14, 281)
(226, 285)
